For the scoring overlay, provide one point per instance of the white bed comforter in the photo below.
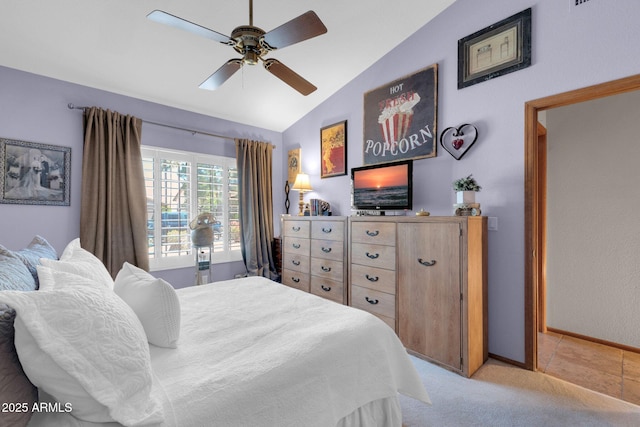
(256, 353)
(245, 358)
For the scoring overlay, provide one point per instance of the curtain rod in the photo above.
(193, 132)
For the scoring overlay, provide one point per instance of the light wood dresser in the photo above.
(426, 277)
(314, 253)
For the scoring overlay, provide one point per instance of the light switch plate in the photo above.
(492, 223)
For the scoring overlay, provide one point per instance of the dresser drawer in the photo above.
(328, 249)
(295, 245)
(379, 303)
(373, 255)
(380, 233)
(296, 262)
(296, 279)
(374, 278)
(330, 289)
(389, 321)
(327, 268)
(295, 228)
(328, 230)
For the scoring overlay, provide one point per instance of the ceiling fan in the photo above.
(253, 44)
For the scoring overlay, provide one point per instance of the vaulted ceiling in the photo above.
(111, 45)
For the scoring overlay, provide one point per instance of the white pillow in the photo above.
(79, 261)
(84, 346)
(51, 279)
(154, 301)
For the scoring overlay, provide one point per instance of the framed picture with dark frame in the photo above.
(499, 49)
(333, 150)
(34, 174)
(401, 117)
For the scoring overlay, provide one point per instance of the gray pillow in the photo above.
(15, 387)
(14, 275)
(30, 256)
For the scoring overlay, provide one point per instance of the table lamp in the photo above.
(302, 185)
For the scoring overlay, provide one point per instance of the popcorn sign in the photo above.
(400, 119)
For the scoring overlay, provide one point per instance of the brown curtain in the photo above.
(254, 161)
(113, 212)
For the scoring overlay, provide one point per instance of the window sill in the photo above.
(172, 263)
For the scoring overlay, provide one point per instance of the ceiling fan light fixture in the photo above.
(251, 57)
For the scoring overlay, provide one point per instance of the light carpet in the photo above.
(500, 394)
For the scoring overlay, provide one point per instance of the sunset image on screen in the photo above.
(392, 176)
(382, 187)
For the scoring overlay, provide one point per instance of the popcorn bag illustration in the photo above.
(396, 117)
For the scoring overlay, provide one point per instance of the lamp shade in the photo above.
(302, 183)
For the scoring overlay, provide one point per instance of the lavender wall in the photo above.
(34, 108)
(573, 47)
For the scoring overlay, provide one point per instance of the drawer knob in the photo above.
(427, 263)
(296, 245)
(372, 233)
(371, 278)
(326, 250)
(295, 279)
(372, 256)
(371, 301)
(326, 230)
(325, 269)
(295, 228)
(295, 262)
(325, 288)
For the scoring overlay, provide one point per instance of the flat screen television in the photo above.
(383, 187)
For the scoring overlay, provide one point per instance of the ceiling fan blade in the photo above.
(303, 27)
(222, 74)
(289, 76)
(183, 24)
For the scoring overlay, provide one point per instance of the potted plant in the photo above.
(466, 189)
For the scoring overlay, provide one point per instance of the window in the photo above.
(181, 185)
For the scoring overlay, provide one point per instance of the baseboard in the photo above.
(594, 340)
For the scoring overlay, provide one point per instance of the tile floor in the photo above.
(598, 367)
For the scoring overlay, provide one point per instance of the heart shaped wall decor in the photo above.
(457, 141)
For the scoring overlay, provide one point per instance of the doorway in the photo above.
(535, 199)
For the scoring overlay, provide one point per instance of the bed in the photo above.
(242, 352)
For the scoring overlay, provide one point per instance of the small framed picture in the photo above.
(294, 167)
(333, 150)
(499, 49)
(34, 174)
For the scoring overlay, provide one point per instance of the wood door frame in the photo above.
(541, 246)
(535, 196)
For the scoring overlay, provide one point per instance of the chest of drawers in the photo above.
(314, 251)
(426, 277)
(373, 269)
